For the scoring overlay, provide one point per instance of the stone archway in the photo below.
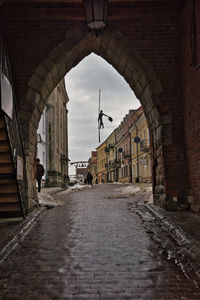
(123, 56)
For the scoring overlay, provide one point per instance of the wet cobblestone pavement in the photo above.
(93, 247)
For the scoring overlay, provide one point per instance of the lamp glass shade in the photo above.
(96, 13)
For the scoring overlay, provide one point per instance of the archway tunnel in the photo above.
(169, 175)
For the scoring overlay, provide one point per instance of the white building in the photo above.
(52, 138)
(42, 141)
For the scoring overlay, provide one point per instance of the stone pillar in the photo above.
(29, 134)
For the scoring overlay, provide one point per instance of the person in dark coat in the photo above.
(89, 178)
(39, 173)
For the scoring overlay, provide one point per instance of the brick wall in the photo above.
(191, 101)
(147, 52)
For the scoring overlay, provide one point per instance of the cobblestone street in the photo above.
(92, 247)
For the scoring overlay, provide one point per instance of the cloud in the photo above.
(98, 74)
(83, 84)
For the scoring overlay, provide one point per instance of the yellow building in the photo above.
(141, 159)
(102, 163)
(111, 156)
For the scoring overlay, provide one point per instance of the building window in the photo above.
(148, 137)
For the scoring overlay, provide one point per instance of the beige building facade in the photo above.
(102, 163)
(111, 157)
(92, 166)
(125, 156)
(141, 155)
(57, 137)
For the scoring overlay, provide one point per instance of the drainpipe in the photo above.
(130, 167)
(115, 170)
(138, 173)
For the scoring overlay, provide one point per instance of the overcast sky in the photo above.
(83, 84)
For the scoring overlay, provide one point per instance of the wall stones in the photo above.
(151, 66)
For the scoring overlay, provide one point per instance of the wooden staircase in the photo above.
(10, 204)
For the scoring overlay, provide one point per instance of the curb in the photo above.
(20, 233)
(57, 191)
(182, 238)
(54, 191)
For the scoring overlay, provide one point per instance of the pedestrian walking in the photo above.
(89, 178)
(39, 173)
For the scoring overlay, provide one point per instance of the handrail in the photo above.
(14, 133)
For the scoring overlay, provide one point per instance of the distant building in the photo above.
(120, 158)
(141, 154)
(102, 165)
(123, 145)
(111, 157)
(53, 138)
(42, 146)
(80, 171)
(80, 168)
(57, 137)
(92, 165)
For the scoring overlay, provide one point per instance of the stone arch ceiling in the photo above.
(111, 46)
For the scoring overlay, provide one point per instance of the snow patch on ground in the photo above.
(48, 201)
(130, 190)
(126, 191)
(75, 187)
